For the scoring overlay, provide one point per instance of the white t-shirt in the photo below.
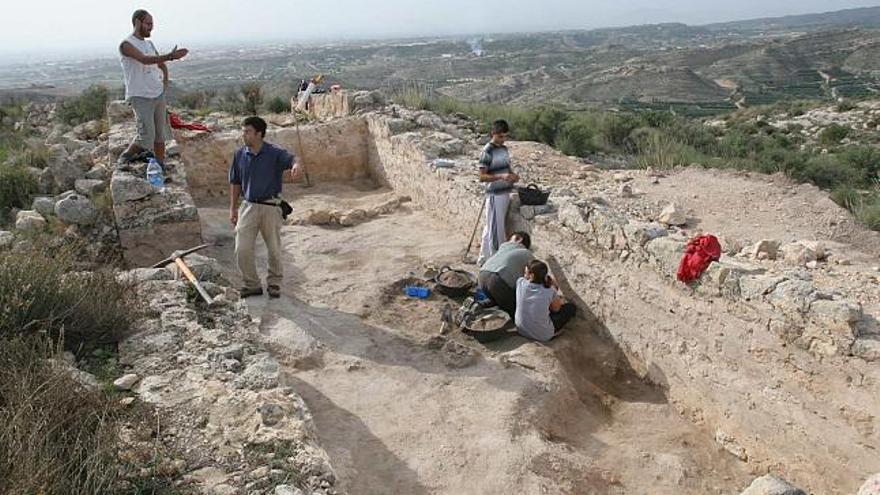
(141, 80)
(533, 310)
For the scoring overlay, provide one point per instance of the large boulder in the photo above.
(125, 187)
(76, 210)
(29, 221)
(772, 485)
(66, 168)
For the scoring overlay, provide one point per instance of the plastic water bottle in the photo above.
(154, 174)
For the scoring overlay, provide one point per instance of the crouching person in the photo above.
(499, 273)
(541, 312)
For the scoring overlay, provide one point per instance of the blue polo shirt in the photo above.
(260, 174)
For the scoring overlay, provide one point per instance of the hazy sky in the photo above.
(95, 27)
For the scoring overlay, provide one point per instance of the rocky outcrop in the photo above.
(211, 378)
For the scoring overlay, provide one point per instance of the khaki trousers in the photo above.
(265, 220)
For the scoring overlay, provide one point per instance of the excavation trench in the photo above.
(400, 410)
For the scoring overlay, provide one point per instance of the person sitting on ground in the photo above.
(496, 173)
(541, 311)
(499, 273)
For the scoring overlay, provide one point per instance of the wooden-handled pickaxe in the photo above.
(177, 258)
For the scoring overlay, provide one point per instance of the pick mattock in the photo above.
(177, 258)
(467, 250)
(302, 151)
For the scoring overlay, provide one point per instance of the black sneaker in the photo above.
(274, 291)
(249, 292)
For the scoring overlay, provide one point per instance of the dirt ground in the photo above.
(401, 410)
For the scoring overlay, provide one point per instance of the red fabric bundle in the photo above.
(176, 123)
(700, 253)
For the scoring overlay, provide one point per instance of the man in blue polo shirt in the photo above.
(255, 175)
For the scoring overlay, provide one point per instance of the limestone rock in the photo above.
(772, 485)
(126, 382)
(871, 486)
(287, 490)
(6, 239)
(76, 210)
(625, 191)
(673, 215)
(799, 254)
(845, 312)
(29, 221)
(125, 187)
(119, 110)
(90, 187)
(270, 414)
(98, 172)
(574, 217)
(668, 251)
(139, 275)
(65, 167)
(641, 233)
(44, 205)
(765, 249)
(89, 131)
(868, 349)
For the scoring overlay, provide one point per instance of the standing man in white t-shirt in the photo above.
(146, 79)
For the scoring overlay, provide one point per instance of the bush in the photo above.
(33, 155)
(846, 106)
(833, 134)
(90, 105)
(826, 172)
(575, 138)
(278, 104)
(253, 97)
(55, 436)
(658, 150)
(196, 100)
(865, 159)
(41, 293)
(17, 187)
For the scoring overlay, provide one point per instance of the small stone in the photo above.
(127, 401)
(813, 265)
(44, 205)
(765, 249)
(625, 191)
(126, 382)
(673, 215)
(287, 490)
(90, 187)
(29, 221)
(271, 414)
(259, 473)
(772, 485)
(843, 262)
(871, 486)
(6, 239)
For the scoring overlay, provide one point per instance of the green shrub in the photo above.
(846, 106)
(33, 155)
(833, 134)
(253, 97)
(575, 138)
(40, 292)
(278, 104)
(658, 150)
(865, 159)
(90, 105)
(17, 187)
(826, 172)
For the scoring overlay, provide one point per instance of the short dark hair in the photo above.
(525, 239)
(500, 126)
(257, 123)
(539, 272)
(138, 15)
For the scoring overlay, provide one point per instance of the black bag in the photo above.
(533, 196)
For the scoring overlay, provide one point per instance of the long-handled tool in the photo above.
(177, 258)
(302, 151)
(474, 233)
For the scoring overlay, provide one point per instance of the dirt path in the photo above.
(400, 412)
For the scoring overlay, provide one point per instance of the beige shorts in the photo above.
(153, 124)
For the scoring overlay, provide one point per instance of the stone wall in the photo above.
(765, 363)
(334, 151)
(152, 223)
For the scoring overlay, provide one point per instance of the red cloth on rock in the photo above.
(176, 123)
(700, 253)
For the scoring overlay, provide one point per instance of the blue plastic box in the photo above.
(418, 292)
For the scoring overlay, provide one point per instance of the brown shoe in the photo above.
(249, 291)
(274, 291)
